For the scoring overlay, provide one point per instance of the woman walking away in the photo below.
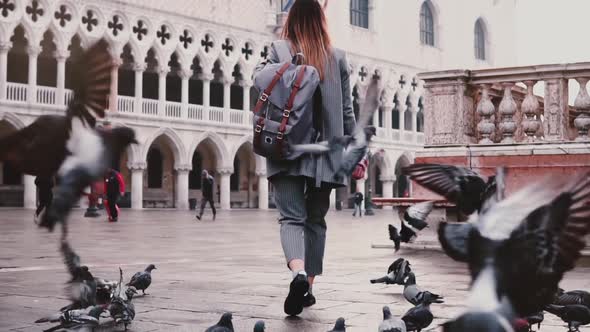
(45, 186)
(302, 186)
(207, 183)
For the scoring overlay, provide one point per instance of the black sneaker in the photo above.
(309, 300)
(297, 290)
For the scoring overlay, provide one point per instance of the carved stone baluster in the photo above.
(530, 109)
(582, 105)
(507, 110)
(485, 109)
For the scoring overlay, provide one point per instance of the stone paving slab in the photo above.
(205, 268)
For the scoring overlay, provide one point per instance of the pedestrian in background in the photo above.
(207, 185)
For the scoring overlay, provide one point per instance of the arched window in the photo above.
(426, 25)
(378, 183)
(155, 168)
(194, 177)
(359, 13)
(234, 179)
(395, 119)
(480, 40)
(420, 116)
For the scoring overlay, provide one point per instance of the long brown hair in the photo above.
(307, 30)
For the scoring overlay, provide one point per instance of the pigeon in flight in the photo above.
(390, 323)
(355, 146)
(525, 243)
(462, 186)
(224, 324)
(142, 280)
(81, 289)
(74, 320)
(69, 145)
(415, 295)
(413, 220)
(339, 326)
(396, 273)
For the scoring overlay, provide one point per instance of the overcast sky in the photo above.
(552, 31)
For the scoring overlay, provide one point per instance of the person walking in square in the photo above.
(114, 187)
(45, 190)
(302, 186)
(207, 185)
(358, 204)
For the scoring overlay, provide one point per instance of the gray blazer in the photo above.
(337, 119)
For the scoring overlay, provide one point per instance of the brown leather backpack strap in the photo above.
(290, 101)
(268, 91)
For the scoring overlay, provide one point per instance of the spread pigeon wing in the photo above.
(25, 149)
(91, 78)
(443, 179)
(454, 239)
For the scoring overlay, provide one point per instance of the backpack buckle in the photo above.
(264, 97)
(280, 135)
(286, 113)
(258, 129)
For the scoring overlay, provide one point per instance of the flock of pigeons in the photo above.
(517, 248)
(92, 297)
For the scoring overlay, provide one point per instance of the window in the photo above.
(420, 116)
(155, 168)
(426, 25)
(480, 40)
(359, 13)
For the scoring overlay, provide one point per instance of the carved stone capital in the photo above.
(225, 171)
(183, 168)
(139, 66)
(206, 76)
(137, 166)
(5, 46)
(34, 50)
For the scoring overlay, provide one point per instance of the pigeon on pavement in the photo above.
(224, 324)
(572, 297)
(415, 295)
(142, 280)
(575, 315)
(259, 326)
(390, 323)
(121, 308)
(419, 317)
(74, 320)
(339, 326)
(396, 273)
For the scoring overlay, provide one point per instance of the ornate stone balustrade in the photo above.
(488, 107)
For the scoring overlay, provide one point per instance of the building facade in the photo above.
(183, 81)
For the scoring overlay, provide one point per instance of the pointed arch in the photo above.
(219, 148)
(175, 141)
(13, 120)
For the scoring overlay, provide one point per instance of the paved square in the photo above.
(233, 264)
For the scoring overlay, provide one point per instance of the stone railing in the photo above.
(498, 106)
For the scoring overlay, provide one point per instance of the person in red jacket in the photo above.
(114, 186)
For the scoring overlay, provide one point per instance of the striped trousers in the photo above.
(303, 209)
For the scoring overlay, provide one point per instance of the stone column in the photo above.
(360, 186)
(113, 106)
(226, 94)
(61, 57)
(262, 191)
(246, 85)
(33, 52)
(139, 68)
(182, 172)
(388, 186)
(224, 188)
(30, 192)
(162, 73)
(4, 48)
(333, 199)
(137, 185)
(185, 75)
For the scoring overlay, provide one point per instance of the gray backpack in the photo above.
(284, 112)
